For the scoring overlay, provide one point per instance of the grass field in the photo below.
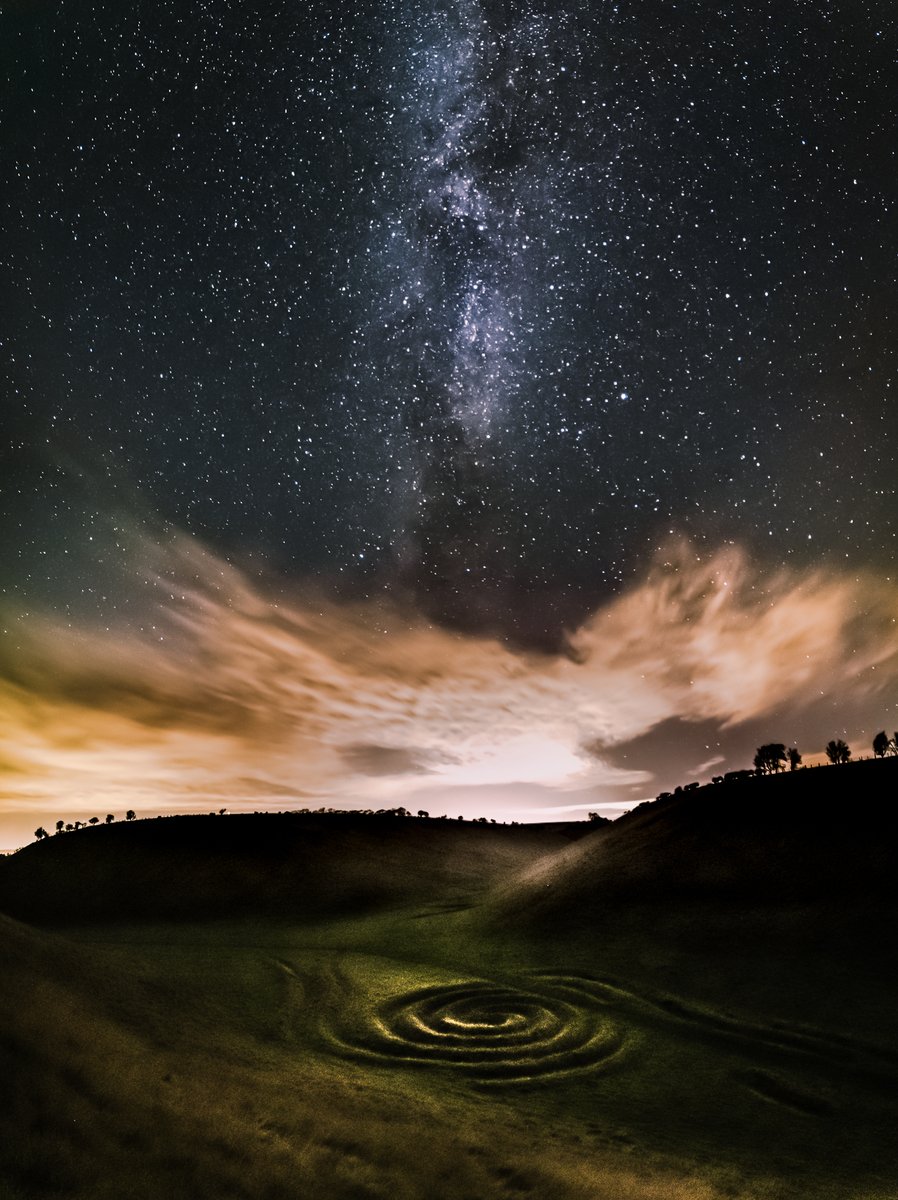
(435, 1047)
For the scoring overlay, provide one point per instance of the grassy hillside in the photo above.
(206, 1067)
(408, 1055)
(694, 1003)
(278, 864)
(768, 897)
(828, 833)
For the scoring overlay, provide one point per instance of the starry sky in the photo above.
(458, 404)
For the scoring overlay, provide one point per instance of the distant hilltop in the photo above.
(816, 836)
(787, 837)
(291, 864)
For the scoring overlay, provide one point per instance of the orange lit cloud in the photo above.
(225, 696)
(713, 637)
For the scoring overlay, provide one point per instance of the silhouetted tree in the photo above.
(893, 744)
(422, 813)
(881, 744)
(771, 758)
(130, 814)
(109, 818)
(69, 826)
(794, 758)
(838, 751)
(222, 811)
(594, 816)
(94, 821)
(60, 825)
(40, 833)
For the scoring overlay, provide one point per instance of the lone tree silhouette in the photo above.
(881, 744)
(794, 758)
(94, 821)
(771, 758)
(60, 825)
(838, 751)
(130, 814)
(40, 833)
(109, 818)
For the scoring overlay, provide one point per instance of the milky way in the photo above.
(467, 309)
(465, 247)
(481, 300)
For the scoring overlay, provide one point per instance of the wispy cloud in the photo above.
(712, 636)
(223, 694)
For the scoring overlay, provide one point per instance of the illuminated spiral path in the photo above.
(552, 1025)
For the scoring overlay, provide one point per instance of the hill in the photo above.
(665, 1007)
(826, 834)
(291, 865)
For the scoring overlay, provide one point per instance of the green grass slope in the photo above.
(204, 1067)
(405, 1055)
(288, 865)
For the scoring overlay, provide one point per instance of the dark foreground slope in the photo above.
(290, 865)
(86, 1077)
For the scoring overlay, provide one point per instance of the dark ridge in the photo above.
(290, 865)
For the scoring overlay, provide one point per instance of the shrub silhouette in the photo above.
(770, 758)
(838, 751)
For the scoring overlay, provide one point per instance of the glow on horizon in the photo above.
(245, 702)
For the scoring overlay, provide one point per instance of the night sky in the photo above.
(469, 405)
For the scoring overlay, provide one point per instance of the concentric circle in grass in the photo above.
(552, 1025)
